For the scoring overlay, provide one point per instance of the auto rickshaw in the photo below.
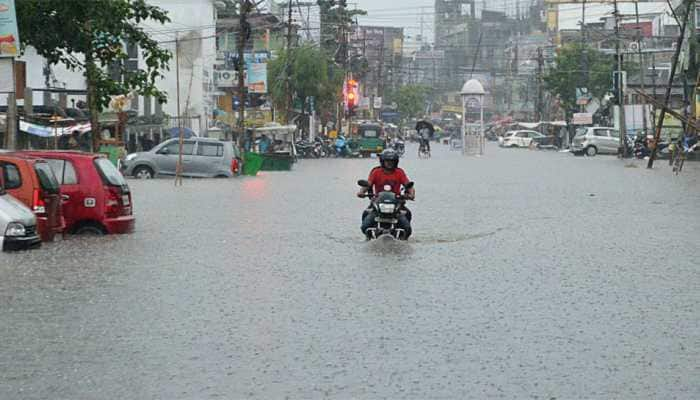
(370, 138)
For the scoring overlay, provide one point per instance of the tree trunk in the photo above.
(90, 71)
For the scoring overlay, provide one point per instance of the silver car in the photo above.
(594, 140)
(201, 157)
(17, 222)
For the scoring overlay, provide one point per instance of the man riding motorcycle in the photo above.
(388, 174)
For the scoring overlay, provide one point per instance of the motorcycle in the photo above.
(305, 149)
(343, 149)
(388, 206)
(319, 148)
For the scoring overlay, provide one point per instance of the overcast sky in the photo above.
(399, 13)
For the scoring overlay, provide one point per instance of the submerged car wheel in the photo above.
(143, 172)
(89, 229)
(591, 151)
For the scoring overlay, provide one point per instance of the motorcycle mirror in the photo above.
(363, 183)
(409, 185)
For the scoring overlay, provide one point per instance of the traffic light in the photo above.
(352, 96)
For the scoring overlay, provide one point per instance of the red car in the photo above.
(96, 198)
(32, 181)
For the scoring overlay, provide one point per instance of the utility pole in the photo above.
(620, 85)
(11, 118)
(243, 31)
(288, 69)
(584, 52)
(539, 102)
(642, 69)
(181, 136)
(667, 97)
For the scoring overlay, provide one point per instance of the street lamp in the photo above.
(472, 94)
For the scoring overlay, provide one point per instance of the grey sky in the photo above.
(400, 13)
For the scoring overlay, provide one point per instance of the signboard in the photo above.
(377, 102)
(582, 96)
(364, 103)
(9, 37)
(256, 77)
(582, 119)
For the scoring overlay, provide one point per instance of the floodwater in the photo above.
(530, 275)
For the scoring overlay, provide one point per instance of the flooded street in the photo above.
(530, 275)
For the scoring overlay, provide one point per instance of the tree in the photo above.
(336, 22)
(310, 76)
(90, 36)
(410, 100)
(566, 75)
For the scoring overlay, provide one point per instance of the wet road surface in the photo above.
(531, 275)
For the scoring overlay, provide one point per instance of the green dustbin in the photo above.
(277, 162)
(252, 163)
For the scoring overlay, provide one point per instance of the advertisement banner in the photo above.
(582, 119)
(257, 78)
(9, 37)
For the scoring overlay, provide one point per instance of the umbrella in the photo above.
(186, 132)
(425, 125)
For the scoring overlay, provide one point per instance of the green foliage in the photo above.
(563, 79)
(311, 75)
(410, 100)
(336, 20)
(64, 30)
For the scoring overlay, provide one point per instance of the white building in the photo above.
(193, 23)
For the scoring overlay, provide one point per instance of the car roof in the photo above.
(18, 156)
(62, 153)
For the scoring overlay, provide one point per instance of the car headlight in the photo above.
(15, 229)
(131, 156)
(386, 208)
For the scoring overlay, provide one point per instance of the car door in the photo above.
(72, 197)
(167, 156)
(613, 141)
(522, 139)
(208, 160)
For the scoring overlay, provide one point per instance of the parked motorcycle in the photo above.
(344, 149)
(305, 149)
(387, 206)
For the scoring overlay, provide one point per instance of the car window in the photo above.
(64, 171)
(187, 147)
(110, 174)
(534, 135)
(13, 179)
(522, 134)
(370, 133)
(210, 149)
(47, 179)
(600, 132)
(614, 133)
(581, 131)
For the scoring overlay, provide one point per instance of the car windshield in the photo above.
(370, 133)
(581, 131)
(109, 172)
(47, 179)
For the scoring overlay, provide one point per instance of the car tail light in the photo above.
(234, 166)
(38, 203)
(112, 202)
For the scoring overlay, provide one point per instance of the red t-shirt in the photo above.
(378, 178)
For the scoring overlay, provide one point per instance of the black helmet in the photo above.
(389, 159)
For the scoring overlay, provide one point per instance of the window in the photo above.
(13, 179)
(534, 135)
(47, 179)
(64, 171)
(210, 149)
(522, 134)
(187, 147)
(110, 175)
(614, 133)
(370, 133)
(600, 132)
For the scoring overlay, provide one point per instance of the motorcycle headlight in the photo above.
(386, 208)
(15, 229)
(131, 156)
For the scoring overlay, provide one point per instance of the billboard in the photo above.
(9, 37)
(256, 77)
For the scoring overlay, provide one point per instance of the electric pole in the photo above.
(539, 103)
(180, 134)
(620, 85)
(642, 69)
(288, 69)
(243, 32)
